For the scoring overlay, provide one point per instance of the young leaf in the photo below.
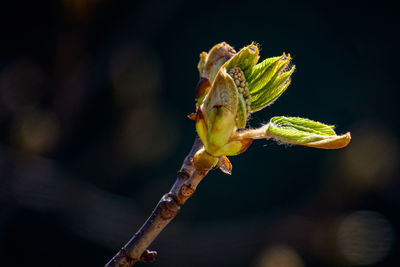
(260, 68)
(301, 131)
(271, 91)
(268, 81)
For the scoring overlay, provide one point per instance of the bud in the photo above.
(203, 161)
(231, 87)
(226, 103)
(209, 66)
(215, 120)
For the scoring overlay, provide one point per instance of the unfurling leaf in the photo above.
(269, 80)
(300, 131)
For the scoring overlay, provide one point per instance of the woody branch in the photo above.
(135, 250)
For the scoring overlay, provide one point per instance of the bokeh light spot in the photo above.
(280, 256)
(365, 237)
(371, 157)
(36, 132)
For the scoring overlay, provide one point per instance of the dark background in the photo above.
(93, 102)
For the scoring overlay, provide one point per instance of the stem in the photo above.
(167, 208)
(260, 133)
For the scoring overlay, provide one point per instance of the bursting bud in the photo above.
(238, 87)
(232, 86)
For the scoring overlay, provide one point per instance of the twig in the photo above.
(167, 208)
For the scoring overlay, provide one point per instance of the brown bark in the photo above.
(135, 249)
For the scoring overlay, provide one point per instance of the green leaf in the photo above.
(268, 76)
(245, 59)
(304, 124)
(301, 131)
(271, 91)
(260, 68)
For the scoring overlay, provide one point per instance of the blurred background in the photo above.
(93, 102)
